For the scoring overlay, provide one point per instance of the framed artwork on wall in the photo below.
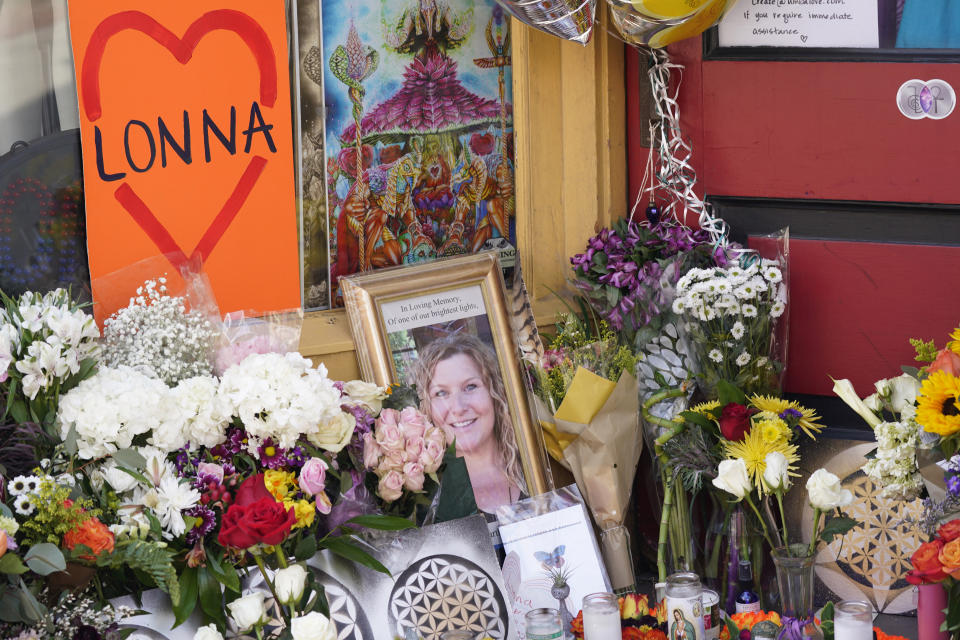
(444, 327)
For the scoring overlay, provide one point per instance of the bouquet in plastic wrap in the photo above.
(586, 380)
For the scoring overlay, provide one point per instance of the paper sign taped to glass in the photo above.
(594, 434)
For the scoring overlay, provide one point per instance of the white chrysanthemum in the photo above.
(110, 409)
(172, 499)
(715, 355)
(772, 274)
(759, 284)
(206, 417)
(743, 359)
(678, 305)
(23, 506)
(280, 397)
(737, 330)
(736, 274)
(746, 291)
(777, 309)
(748, 311)
(706, 313)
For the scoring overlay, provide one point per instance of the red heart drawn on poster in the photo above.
(182, 50)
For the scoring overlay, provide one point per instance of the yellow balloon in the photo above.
(708, 15)
(667, 9)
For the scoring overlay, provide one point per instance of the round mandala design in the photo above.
(444, 593)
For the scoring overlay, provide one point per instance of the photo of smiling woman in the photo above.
(461, 390)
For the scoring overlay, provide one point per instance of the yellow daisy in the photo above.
(954, 344)
(938, 403)
(771, 427)
(808, 417)
(753, 449)
(705, 407)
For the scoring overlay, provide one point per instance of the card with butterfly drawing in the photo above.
(552, 558)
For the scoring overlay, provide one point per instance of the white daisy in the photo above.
(172, 499)
(746, 291)
(777, 309)
(759, 284)
(23, 506)
(721, 286)
(706, 314)
(772, 274)
(743, 359)
(33, 484)
(736, 273)
(715, 355)
(738, 330)
(678, 306)
(17, 486)
(749, 311)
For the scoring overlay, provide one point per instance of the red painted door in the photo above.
(830, 131)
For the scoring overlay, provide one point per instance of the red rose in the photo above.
(264, 521)
(926, 564)
(735, 421)
(950, 531)
(946, 361)
(252, 490)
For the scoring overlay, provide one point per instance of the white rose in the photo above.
(313, 626)
(289, 583)
(776, 474)
(900, 392)
(844, 389)
(248, 610)
(334, 434)
(733, 478)
(825, 491)
(365, 393)
(208, 632)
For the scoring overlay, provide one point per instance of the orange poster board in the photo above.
(187, 147)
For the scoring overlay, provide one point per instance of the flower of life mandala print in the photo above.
(444, 593)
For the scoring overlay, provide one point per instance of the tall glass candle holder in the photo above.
(601, 617)
(853, 620)
(685, 607)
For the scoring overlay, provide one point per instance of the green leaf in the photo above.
(139, 477)
(826, 621)
(346, 483)
(31, 609)
(155, 527)
(188, 596)
(383, 523)
(728, 393)
(19, 411)
(70, 442)
(11, 563)
(700, 420)
(129, 458)
(226, 574)
(911, 371)
(306, 548)
(353, 553)
(9, 609)
(45, 558)
(731, 627)
(211, 596)
(837, 527)
(11, 394)
(5, 510)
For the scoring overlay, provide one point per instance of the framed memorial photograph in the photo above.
(444, 328)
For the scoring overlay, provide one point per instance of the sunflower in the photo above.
(954, 344)
(808, 417)
(753, 449)
(938, 404)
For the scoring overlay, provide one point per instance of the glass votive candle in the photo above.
(684, 600)
(601, 617)
(853, 620)
(543, 624)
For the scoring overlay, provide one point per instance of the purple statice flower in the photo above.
(271, 456)
(296, 457)
(953, 485)
(789, 415)
(208, 520)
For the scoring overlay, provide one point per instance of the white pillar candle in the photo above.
(853, 620)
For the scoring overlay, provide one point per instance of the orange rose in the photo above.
(92, 534)
(3, 542)
(950, 531)
(950, 557)
(946, 361)
(927, 568)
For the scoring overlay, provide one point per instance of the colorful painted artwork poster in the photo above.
(419, 133)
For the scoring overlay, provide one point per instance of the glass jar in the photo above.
(684, 595)
(543, 624)
(601, 617)
(853, 620)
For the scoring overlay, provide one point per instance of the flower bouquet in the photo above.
(157, 476)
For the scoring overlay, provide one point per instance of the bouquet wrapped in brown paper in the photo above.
(588, 408)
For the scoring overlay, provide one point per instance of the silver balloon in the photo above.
(567, 19)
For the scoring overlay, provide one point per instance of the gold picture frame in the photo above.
(395, 314)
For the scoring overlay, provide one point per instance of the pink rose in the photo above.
(414, 447)
(371, 451)
(208, 470)
(391, 486)
(313, 476)
(413, 476)
(946, 361)
(432, 456)
(413, 423)
(323, 503)
(387, 432)
(393, 461)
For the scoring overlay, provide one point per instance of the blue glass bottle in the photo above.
(747, 598)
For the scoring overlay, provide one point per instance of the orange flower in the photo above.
(660, 612)
(92, 534)
(886, 636)
(631, 633)
(3, 542)
(747, 619)
(724, 632)
(950, 557)
(634, 606)
(576, 625)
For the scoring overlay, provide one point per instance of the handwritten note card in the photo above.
(800, 23)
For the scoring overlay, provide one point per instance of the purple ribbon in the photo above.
(792, 628)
